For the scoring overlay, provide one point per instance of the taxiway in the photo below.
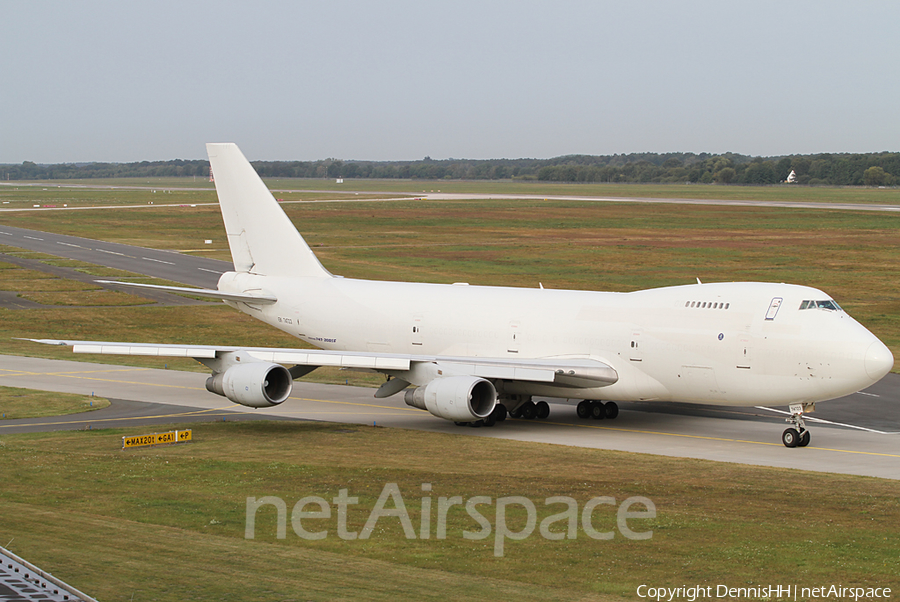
(749, 437)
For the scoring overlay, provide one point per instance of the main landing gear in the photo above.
(530, 410)
(597, 409)
(797, 436)
(498, 415)
(522, 406)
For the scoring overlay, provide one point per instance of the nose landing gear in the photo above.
(797, 436)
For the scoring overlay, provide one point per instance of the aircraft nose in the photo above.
(879, 360)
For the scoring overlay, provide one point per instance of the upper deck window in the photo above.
(827, 304)
(707, 305)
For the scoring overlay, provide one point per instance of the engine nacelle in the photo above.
(255, 384)
(457, 398)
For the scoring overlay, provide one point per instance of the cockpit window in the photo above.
(827, 304)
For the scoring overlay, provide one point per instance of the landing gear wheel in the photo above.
(543, 410)
(461, 423)
(584, 409)
(598, 410)
(790, 437)
(490, 420)
(804, 439)
(612, 410)
(517, 413)
(477, 423)
(499, 412)
(528, 410)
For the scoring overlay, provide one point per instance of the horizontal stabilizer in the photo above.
(261, 298)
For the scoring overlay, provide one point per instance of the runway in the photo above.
(741, 437)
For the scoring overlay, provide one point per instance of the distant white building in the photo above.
(792, 177)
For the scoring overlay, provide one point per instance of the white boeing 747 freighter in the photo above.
(473, 353)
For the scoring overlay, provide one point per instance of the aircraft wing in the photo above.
(569, 372)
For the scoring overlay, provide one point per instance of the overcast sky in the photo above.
(396, 80)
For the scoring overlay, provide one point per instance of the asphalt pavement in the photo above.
(740, 438)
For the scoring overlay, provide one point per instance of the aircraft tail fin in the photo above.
(261, 237)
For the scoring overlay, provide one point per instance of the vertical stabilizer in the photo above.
(261, 237)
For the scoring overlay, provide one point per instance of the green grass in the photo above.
(27, 403)
(112, 521)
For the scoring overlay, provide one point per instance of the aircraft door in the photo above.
(635, 352)
(515, 336)
(743, 352)
(416, 335)
(773, 308)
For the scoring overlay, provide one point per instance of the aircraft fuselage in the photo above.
(727, 343)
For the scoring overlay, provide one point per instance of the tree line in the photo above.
(864, 169)
(69, 171)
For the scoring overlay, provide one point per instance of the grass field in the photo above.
(25, 403)
(168, 523)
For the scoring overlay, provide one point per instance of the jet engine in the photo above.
(255, 384)
(457, 398)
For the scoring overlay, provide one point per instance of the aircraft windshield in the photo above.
(827, 304)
